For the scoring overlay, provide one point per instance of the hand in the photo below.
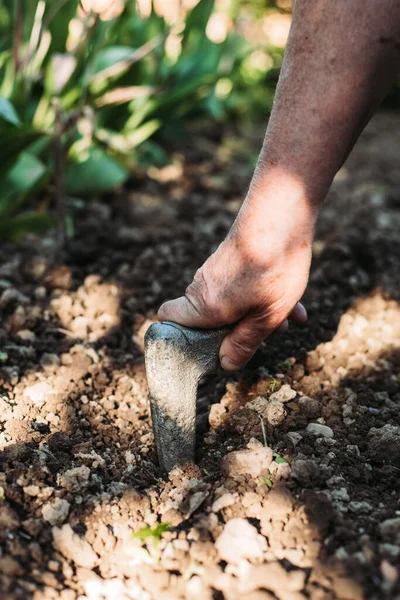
(254, 279)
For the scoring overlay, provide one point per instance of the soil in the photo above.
(84, 510)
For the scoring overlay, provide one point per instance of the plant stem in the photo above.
(264, 433)
(17, 38)
(59, 180)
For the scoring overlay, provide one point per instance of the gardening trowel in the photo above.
(176, 359)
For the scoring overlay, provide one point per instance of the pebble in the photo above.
(275, 412)
(73, 547)
(252, 461)
(240, 540)
(38, 392)
(56, 512)
(12, 296)
(390, 530)
(223, 501)
(361, 507)
(306, 472)
(75, 479)
(294, 437)
(310, 407)
(284, 394)
(318, 430)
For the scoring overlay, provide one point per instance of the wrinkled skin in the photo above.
(340, 60)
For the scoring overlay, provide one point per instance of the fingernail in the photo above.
(301, 312)
(228, 365)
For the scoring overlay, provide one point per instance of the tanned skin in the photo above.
(340, 61)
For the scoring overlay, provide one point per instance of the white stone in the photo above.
(37, 393)
(73, 547)
(75, 479)
(318, 430)
(284, 394)
(223, 501)
(56, 512)
(240, 540)
(251, 461)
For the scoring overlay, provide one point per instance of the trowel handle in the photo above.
(176, 359)
(202, 344)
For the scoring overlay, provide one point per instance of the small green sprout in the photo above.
(3, 356)
(267, 482)
(284, 365)
(274, 385)
(279, 459)
(155, 533)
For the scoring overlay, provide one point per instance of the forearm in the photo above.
(340, 60)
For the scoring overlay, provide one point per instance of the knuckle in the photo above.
(203, 300)
(242, 347)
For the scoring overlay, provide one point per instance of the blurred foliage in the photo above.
(89, 89)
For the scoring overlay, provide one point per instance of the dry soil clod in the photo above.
(176, 359)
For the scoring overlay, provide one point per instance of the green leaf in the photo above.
(57, 18)
(279, 459)
(99, 173)
(13, 142)
(110, 56)
(30, 222)
(23, 178)
(149, 532)
(8, 112)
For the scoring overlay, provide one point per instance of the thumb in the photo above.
(186, 311)
(242, 342)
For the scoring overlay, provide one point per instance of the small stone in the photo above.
(240, 540)
(216, 416)
(251, 461)
(59, 442)
(306, 472)
(12, 296)
(273, 577)
(318, 430)
(353, 450)
(49, 362)
(56, 512)
(73, 547)
(298, 372)
(294, 437)
(75, 479)
(389, 550)
(284, 394)
(310, 407)
(275, 412)
(9, 566)
(26, 335)
(38, 392)
(390, 530)
(362, 507)
(279, 501)
(223, 501)
(389, 572)
(31, 490)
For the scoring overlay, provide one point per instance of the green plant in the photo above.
(267, 481)
(81, 97)
(153, 533)
(284, 365)
(274, 385)
(278, 458)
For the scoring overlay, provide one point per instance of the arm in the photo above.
(340, 60)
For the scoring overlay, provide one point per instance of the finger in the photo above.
(242, 342)
(299, 313)
(283, 327)
(185, 312)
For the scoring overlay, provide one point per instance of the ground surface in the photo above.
(78, 471)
